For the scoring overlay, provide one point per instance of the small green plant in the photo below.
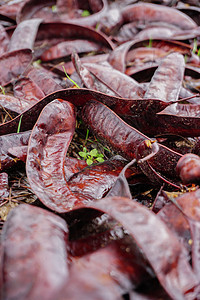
(2, 89)
(85, 13)
(70, 78)
(97, 26)
(150, 43)
(86, 137)
(185, 58)
(198, 52)
(194, 46)
(19, 124)
(91, 156)
(54, 8)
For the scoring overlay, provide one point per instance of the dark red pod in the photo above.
(24, 35)
(188, 168)
(47, 149)
(159, 244)
(95, 181)
(8, 142)
(34, 261)
(148, 13)
(13, 64)
(125, 139)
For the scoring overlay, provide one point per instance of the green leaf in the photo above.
(86, 137)
(100, 155)
(150, 43)
(89, 161)
(100, 159)
(94, 152)
(194, 46)
(54, 8)
(85, 13)
(2, 89)
(83, 154)
(97, 26)
(19, 124)
(185, 58)
(70, 78)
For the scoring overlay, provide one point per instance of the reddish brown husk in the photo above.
(47, 148)
(35, 262)
(116, 248)
(188, 168)
(9, 141)
(170, 264)
(130, 109)
(14, 64)
(125, 139)
(94, 182)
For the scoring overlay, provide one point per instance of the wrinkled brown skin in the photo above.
(10, 141)
(34, 255)
(73, 165)
(95, 181)
(165, 254)
(148, 12)
(125, 139)
(49, 142)
(24, 35)
(167, 79)
(188, 168)
(13, 64)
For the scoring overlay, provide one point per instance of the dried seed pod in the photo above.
(188, 168)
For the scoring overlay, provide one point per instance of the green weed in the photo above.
(2, 89)
(91, 156)
(19, 124)
(71, 79)
(85, 13)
